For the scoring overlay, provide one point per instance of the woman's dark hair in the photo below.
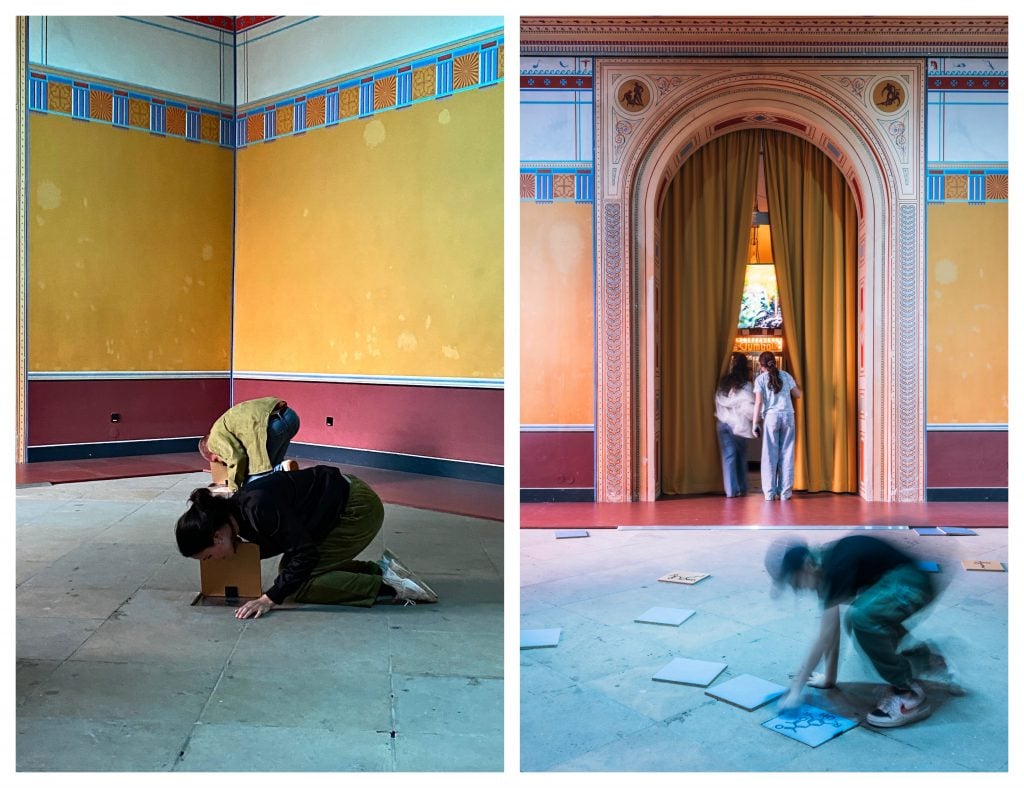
(206, 514)
(767, 361)
(738, 375)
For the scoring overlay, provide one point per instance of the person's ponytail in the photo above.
(767, 361)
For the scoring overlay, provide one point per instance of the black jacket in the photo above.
(291, 512)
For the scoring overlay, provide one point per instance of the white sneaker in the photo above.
(408, 587)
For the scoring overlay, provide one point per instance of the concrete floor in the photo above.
(117, 671)
(590, 703)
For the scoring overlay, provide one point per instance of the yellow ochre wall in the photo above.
(557, 313)
(129, 250)
(376, 247)
(968, 301)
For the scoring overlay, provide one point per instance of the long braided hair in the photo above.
(738, 375)
(767, 362)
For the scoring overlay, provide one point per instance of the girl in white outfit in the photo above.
(774, 392)
(734, 412)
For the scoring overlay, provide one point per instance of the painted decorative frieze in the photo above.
(468, 66)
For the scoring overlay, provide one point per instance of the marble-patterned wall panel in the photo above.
(292, 52)
(161, 53)
(556, 125)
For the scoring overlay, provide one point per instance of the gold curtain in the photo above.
(814, 244)
(705, 227)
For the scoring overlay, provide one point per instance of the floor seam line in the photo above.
(393, 736)
(188, 738)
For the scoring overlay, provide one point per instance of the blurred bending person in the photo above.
(883, 587)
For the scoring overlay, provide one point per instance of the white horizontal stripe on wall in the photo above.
(379, 380)
(967, 427)
(130, 375)
(556, 427)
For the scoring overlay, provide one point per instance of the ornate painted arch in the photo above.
(868, 116)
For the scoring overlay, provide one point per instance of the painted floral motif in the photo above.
(666, 85)
(385, 92)
(59, 97)
(423, 82)
(956, 187)
(501, 61)
(101, 105)
(209, 128)
(527, 185)
(898, 132)
(563, 187)
(138, 113)
(855, 85)
(285, 121)
(348, 102)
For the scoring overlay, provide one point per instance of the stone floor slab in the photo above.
(52, 637)
(267, 748)
(121, 691)
(316, 698)
(448, 704)
(94, 745)
(448, 752)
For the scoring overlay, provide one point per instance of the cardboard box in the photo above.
(239, 573)
(219, 472)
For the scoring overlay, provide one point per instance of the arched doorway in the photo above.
(641, 144)
(704, 245)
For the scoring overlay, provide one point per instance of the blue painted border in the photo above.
(91, 451)
(967, 494)
(557, 495)
(428, 466)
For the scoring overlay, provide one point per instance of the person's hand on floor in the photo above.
(254, 608)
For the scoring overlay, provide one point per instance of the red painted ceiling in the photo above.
(229, 24)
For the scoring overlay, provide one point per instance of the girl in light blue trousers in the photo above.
(774, 392)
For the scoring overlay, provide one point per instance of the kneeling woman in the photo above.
(318, 520)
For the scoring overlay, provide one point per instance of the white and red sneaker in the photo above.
(900, 708)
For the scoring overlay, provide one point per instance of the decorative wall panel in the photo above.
(868, 115)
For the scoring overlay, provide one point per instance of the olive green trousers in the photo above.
(338, 579)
